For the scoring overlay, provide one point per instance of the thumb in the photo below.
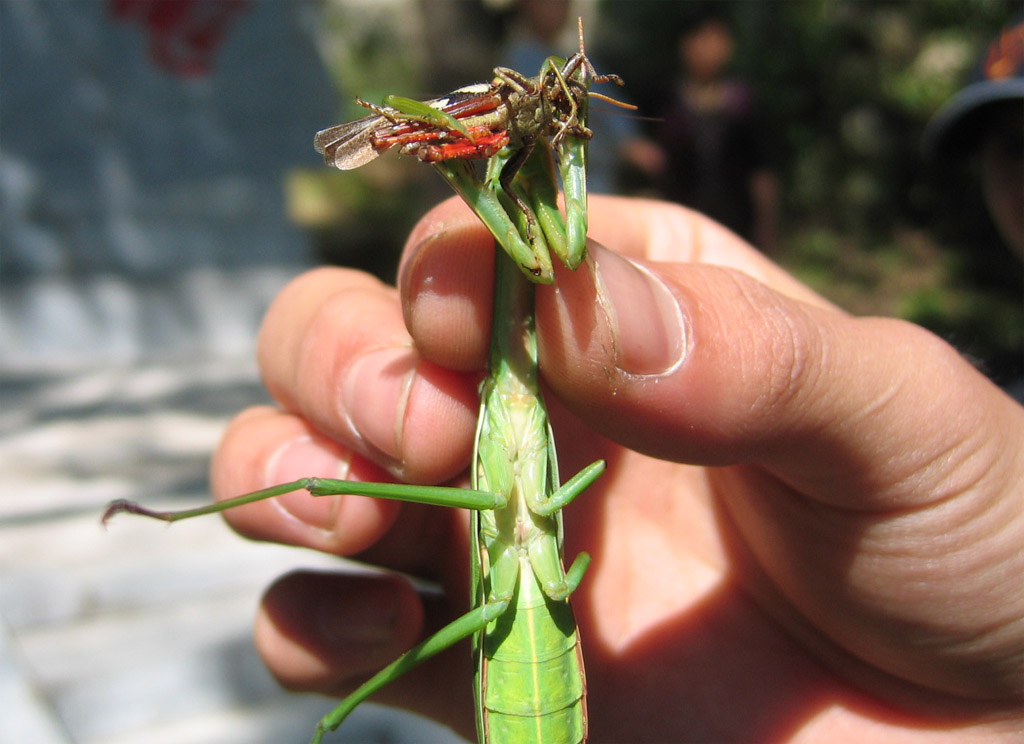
(705, 365)
(877, 419)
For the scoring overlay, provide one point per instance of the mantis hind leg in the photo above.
(448, 636)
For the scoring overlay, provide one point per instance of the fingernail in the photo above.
(376, 391)
(410, 273)
(301, 458)
(649, 334)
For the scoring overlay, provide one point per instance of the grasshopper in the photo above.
(503, 121)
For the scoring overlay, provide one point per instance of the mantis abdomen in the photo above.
(534, 650)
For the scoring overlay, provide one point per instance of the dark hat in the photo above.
(998, 77)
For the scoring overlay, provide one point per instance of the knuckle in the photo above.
(789, 350)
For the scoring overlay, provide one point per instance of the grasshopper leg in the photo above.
(505, 179)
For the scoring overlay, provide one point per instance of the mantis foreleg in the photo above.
(531, 256)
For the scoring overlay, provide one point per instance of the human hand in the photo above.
(810, 528)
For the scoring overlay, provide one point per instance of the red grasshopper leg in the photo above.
(484, 147)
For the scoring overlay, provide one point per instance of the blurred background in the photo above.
(158, 187)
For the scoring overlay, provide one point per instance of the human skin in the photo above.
(811, 527)
(1002, 162)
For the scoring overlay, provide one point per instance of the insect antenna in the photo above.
(613, 101)
(596, 77)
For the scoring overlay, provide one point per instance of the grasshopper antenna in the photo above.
(613, 101)
(600, 78)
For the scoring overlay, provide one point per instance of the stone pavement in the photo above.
(141, 632)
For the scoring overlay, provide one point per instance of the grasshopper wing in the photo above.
(350, 145)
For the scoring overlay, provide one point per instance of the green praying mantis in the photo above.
(529, 677)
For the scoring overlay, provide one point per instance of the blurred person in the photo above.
(985, 120)
(982, 126)
(713, 146)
